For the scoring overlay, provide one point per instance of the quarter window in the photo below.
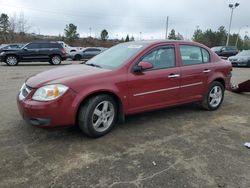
(205, 54)
(161, 58)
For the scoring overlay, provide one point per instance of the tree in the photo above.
(198, 35)
(132, 38)
(71, 32)
(172, 35)
(104, 35)
(179, 37)
(22, 25)
(4, 26)
(127, 38)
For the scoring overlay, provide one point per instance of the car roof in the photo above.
(155, 42)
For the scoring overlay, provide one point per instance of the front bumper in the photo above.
(60, 112)
(239, 63)
(2, 57)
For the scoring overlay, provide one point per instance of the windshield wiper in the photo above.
(93, 65)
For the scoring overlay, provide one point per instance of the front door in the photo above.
(31, 52)
(157, 87)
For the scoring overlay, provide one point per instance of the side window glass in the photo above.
(190, 55)
(161, 58)
(206, 56)
(32, 46)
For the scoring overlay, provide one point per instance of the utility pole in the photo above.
(167, 27)
(232, 7)
(90, 31)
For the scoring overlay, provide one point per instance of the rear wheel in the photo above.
(214, 96)
(249, 64)
(97, 116)
(55, 60)
(11, 60)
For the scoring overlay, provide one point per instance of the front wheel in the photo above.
(11, 60)
(97, 116)
(214, 96)
(77, 57)
(55, 60)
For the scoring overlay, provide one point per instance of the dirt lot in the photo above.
(179, 147)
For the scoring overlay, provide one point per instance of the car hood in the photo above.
(239, 58)
(63, 75)
(9, 50)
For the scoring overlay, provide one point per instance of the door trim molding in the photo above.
(167, 89)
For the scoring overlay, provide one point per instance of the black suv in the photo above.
(51, 52)
(225, 51)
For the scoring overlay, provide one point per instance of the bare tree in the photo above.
(23, 25)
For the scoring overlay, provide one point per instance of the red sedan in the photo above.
(126, 79)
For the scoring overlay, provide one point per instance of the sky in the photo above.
(122, 17)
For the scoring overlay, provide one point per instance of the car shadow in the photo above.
(133, 123)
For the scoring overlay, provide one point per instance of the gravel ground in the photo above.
(178, 147)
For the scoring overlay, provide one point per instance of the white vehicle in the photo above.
(68, 48)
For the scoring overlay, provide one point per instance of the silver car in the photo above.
(241, 59)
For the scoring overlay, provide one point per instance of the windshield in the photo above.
(217, 48)
(116, 56)
(244, 53)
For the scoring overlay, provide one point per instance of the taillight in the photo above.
(63, 51)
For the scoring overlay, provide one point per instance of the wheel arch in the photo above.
(18, 58)
(120, 111)
(55, 55)
(221, 80)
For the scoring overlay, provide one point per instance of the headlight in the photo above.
(2, 53)
(243, 59)
(49, 92)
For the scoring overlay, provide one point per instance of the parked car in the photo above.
(241, 59)
(6, 47)
(68, 48)
(126, 79)
(52, 52)
(86, 53)
(225, 51)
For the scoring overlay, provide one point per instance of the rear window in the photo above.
(50, 45)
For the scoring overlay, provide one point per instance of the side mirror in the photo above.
(25, 48)
(143, 65)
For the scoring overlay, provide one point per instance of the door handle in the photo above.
(173, 76)
(207, 71)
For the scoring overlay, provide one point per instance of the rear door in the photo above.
(195, 71)
(157, 87)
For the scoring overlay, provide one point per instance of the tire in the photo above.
(11, 60)
(249, 64)
(214, 96)
(77, 57)
(97, 116)
(55, 60)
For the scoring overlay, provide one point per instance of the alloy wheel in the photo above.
(103, 116)
(215, 96)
